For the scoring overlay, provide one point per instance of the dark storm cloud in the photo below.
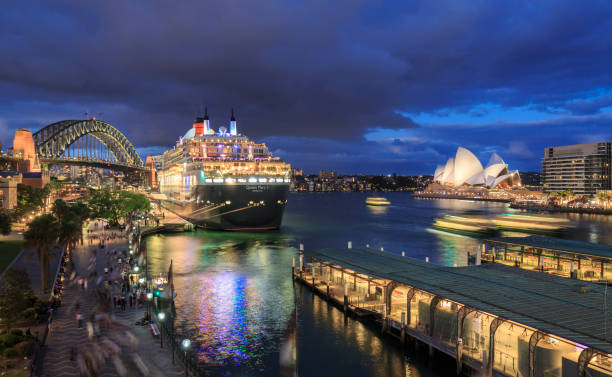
(315, 70)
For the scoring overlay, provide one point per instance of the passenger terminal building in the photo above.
(582, 168)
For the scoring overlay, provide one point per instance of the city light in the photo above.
(161, 316)
(186, 343)
(252, 180)
(149, 295)
(136, 268)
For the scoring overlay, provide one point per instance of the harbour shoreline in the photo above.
(458, 197)
(588, 211)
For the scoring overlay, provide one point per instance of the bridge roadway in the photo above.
(114, 165)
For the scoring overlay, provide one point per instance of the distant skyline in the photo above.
(370, 87)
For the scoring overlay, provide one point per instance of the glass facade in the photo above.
(583, 168)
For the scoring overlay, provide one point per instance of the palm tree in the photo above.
(603, 198)
(70, 233)
(41, 234)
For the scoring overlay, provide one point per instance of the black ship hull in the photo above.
(232, 207)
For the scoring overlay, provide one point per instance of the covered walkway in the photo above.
(498, 320)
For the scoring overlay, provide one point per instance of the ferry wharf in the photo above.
(567, 258)
(494, 320)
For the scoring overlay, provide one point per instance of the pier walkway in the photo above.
(494, 319)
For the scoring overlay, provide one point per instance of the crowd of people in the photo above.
(109, 337)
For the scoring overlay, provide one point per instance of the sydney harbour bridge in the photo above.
(87, 142)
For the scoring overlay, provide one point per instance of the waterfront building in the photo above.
(581, 168)
(567, 258)
(494, 319)
(466, 170)
(8, 190)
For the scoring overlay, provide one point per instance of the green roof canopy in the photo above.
(541, 301)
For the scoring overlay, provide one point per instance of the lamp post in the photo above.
(149, 297)
(161, 316)
(186, 343)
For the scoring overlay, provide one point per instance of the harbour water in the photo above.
(237, 303)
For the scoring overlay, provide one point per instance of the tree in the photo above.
(104, 204)
(114, 205)
(5, 223)
(42, 232)
(69, 234)
(29, 200)
(60, 210)
(15, 290)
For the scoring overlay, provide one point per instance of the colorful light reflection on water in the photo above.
(235, 294)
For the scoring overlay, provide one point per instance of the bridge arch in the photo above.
(53, 140)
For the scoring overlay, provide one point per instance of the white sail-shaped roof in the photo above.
(466, 166)
(449, 171)
(512, 177)
(495, 159)
(476, 179)
(495, 170)
(439, 172)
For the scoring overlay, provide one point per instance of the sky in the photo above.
(372, 87)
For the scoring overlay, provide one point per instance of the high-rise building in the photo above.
(581, 168)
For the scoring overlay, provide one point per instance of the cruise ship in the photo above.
(222, 180)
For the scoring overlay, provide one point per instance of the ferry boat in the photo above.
(222, 180)
(464, 225)
(531, 223)
(377, 201)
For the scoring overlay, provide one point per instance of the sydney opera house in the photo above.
(465, 170)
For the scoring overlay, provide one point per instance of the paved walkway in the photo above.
(66, 334)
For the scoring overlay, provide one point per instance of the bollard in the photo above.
(384, 318)
(479, 254)
(293, 267)
(327, 282)
(345, 297)
(403, 333)
(350, 245)
(301, 265)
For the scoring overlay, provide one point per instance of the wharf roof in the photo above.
(557, 244)
(545, 302)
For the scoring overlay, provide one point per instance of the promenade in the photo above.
(108, 339)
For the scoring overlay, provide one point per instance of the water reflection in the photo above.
(236, 302)
(377, 210)
(236, 298)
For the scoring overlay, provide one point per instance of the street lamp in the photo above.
(161, 316)
(149, 296)
(186, 343)
(136, 268)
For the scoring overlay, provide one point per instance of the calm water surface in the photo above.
(236, 299)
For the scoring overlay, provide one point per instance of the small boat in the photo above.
(377, 201)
